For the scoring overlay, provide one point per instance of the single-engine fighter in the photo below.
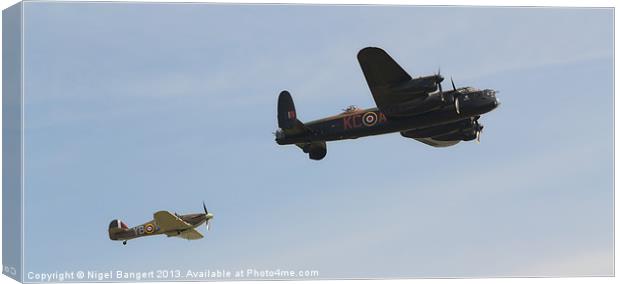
(418, 108)
(164, 222)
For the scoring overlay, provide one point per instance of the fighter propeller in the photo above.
(206, 216)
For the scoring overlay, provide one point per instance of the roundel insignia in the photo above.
(369, 118)
(149, 228)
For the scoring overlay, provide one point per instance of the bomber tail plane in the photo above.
(290, 126)
(287, 116)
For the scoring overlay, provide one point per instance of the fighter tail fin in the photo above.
(115, 227)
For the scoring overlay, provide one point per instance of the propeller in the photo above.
(207, 216)
(456, 98)
(438, 81)
(478, 128)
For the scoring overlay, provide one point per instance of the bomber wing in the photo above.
(437, 143)
(169, 222)
(380, 69)
(390, 84)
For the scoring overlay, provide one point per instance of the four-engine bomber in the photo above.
(417, 108)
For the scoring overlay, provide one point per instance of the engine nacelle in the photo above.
(408, 107)
(426, 84)
(466, 130)
(414, 107)
(461, 134)
(437, 130)
(467, 133)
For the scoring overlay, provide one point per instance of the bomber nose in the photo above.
(491, 94)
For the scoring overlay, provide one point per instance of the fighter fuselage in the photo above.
(151, 228)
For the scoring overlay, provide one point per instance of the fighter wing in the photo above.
(190, 234)
(384, 77)
(168, 222)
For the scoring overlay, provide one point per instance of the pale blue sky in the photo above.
(135, 108)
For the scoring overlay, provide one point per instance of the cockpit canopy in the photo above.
(468, 90)
(350, 109)
(489, 92)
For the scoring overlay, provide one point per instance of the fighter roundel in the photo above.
(149, 228)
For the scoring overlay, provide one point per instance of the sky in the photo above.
(135, 108)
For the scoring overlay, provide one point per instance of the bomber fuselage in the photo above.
(357, 123)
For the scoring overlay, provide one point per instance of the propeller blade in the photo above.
(441, 92)
(456, 98)
(438, 80)
(209, 225)
(478, 128)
